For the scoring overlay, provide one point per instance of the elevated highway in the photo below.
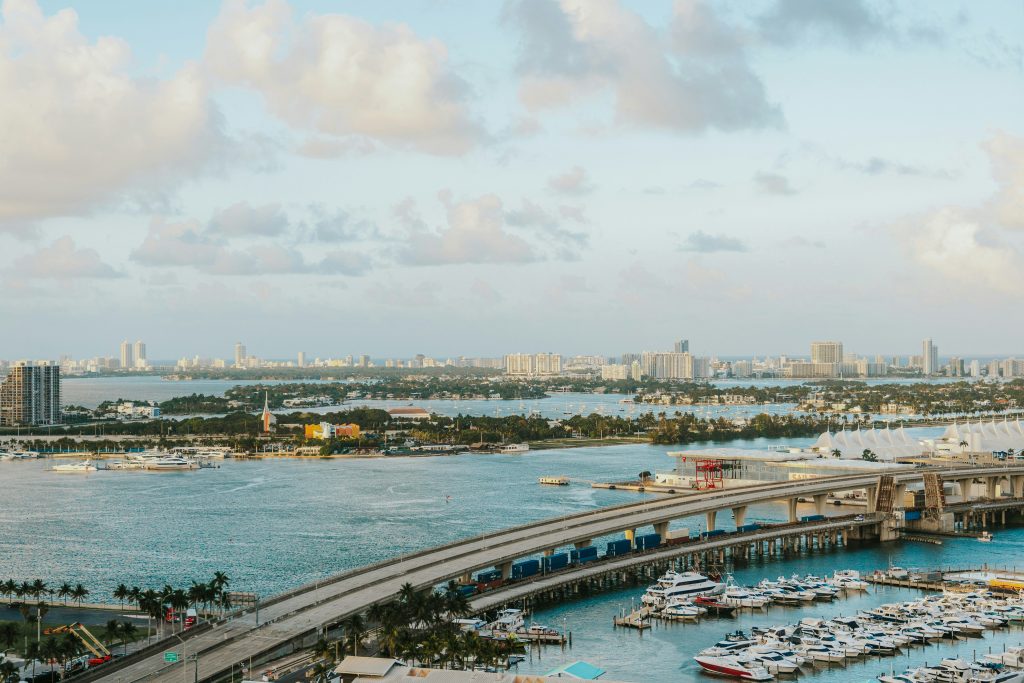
(296, 617)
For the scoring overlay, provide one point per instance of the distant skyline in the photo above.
(579, 176)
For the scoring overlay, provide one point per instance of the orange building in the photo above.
(325, 430)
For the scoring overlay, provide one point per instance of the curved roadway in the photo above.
(301, 612)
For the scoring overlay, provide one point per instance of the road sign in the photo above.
(170, 656)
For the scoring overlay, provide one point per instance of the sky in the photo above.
(477, 178)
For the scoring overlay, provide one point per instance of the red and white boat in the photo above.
(733, 668)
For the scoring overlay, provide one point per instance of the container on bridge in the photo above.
(525, 569)
(648, 541)
(621, 547)
(583, 555)
(812, 518)
(744, 528)
(556, 562)
(488, 576)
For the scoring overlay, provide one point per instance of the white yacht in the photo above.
(680, 585)
(508, 621)
(513, 448)
(169, 463)
(75, 467)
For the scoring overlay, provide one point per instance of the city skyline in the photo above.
(529, 165)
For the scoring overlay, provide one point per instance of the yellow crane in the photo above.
(91, 642)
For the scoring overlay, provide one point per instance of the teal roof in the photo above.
(578, 670)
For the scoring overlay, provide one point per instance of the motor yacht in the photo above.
(82, 467)
(169, 463)
(732, 667)
(680, 585)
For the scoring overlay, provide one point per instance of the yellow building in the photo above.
(325, 430)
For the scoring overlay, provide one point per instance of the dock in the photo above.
(639, 619)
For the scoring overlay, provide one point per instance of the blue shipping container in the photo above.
(713, 532)
(524, 569)
(748, 527)
(488, 576)
(556, 561)
(467, 590)
(812, 518)
(648, 541)
(619, 547)
(911, 515)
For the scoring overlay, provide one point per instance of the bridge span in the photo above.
(293, 619)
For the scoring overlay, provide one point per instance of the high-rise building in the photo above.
(364, 361)
(240, 355)
(827, 352)
(30, 394)
(929, 357)
(975, 368)
(302, 359)
(682, 346)
(140, 355)
(127, 355)
(533, 364)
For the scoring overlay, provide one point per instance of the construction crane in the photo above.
(93, 644)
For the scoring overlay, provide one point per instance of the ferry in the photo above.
(75, 467)
(555, 481)
(674, 585)
(514, 448)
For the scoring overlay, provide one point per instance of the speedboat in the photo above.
(682, 610)
(733, 668)
(823, 653)
(985, 537)
(75, 467)
(772, 661)
(740, 597)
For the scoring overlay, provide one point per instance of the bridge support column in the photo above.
(661, 528)
(739, 515)
(819, 503)
(709, 518)
(1017, 485)
(872, 498)
(899, 492)
(630, 535)
(991, 487)
(791, 505)
(548, 552)
(582, 544)
(965, 488)
(506, 570)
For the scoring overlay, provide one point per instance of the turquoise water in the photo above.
(274, 524)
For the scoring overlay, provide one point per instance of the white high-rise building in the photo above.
(302, 359)
(239, 355)
(127, 355)
(827, 352)
(140, 355)
(929, 357)
(975, 368)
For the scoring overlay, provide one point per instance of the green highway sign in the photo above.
(170, 656)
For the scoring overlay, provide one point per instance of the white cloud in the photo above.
(243, 219)
(695, 80)
(575, 181)
(341, 76)
(706, 243)
(77, 129)
(853, 21)
(62, 260)
(952, 245)
(476, 233)
(1006, 154)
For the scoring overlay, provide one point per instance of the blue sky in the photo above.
(483, 177)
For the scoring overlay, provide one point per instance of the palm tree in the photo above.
(128, 631)
(79, 593)
(178, 601)
(112, 631)
(8, 635)
(64, 592)
(8, 672)
(38, 588)
(9, 587)
(354, 628)
(33, 651)
(122, 593)
(836, 453)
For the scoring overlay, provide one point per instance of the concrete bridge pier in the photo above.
(739, 515)
(709, 518)
(506, 570)
(965, 488)
(791, 506)
(1017, 485)
(630, 535)
(819, 503)
(872, 498)
(661, 528)
(992, 487)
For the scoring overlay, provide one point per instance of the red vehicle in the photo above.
(190, 618)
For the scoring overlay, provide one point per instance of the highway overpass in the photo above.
(294, 618)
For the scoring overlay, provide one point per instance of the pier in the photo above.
(293, 620)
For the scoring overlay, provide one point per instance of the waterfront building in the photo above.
(995, 436)
(886, 445)
(867, 369)
(127, 355)
(30, 394)
(240, 355)
(929, 357)
(615, 371)
(408, 413)
(326, 430)
(635, 371)
(827, 352)
(956, 366)
(804, 369)
(528, 365)
(302, 359)
(742, 368)
(133, 410)
(975, 368)
(139, 353)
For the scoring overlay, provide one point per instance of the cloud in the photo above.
(243, 219)
(530, 215)
(476, 233)
(340, 76)
(1006, 156)
(62, 260)
(852, 21)
(575, 181)
(774, 183)
(954, 246)
(77, 129)
(698, 79)
(336, 225)
(181, 243)
(706, 243)
(876, 166)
